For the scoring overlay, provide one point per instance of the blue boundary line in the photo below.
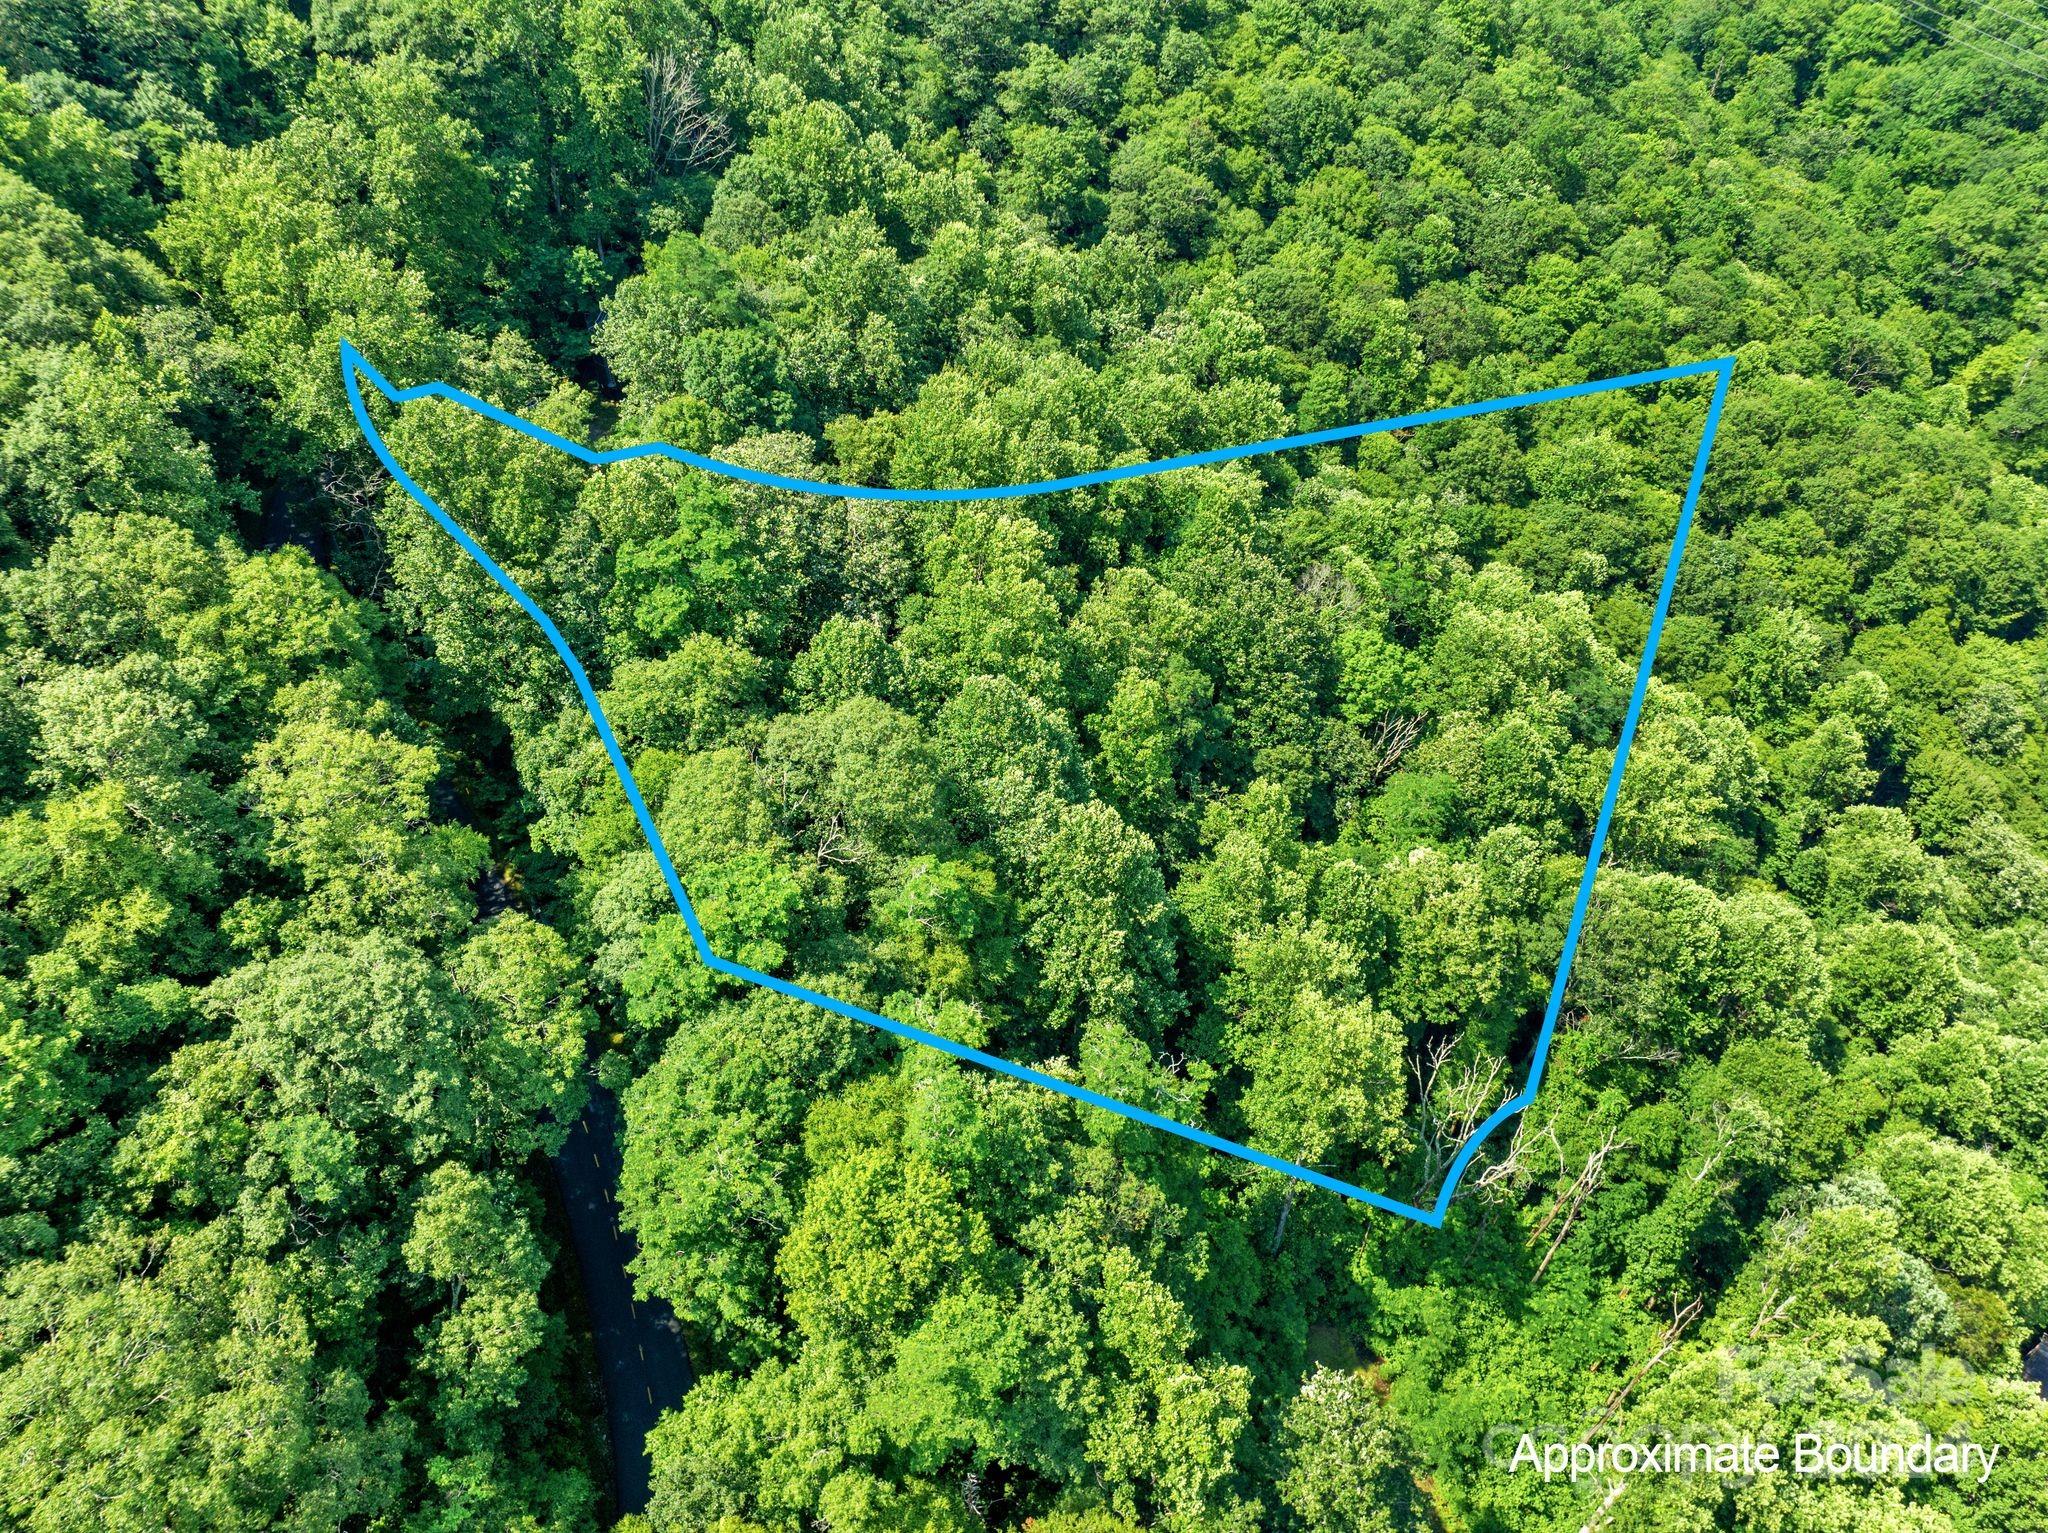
(355, 368)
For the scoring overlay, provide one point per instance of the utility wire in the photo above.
(1956, 19)
(2004, 61)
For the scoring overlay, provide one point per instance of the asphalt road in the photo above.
(640, 1351)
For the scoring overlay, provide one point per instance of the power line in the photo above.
(2003, 60)
(2014, 16)
(1956, 19)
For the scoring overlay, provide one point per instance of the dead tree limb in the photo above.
(683, 130)
(1452, 1109)
(1681, 1320)
(1573, 1198)
(1603, 1513)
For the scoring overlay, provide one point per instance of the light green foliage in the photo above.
(1345, 1468)
(528, 1003)
(179, 1382)
(348, 814)
(247, 1015)
(465, 1238)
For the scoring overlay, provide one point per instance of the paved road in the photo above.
(639, 1347)
(640, 1355)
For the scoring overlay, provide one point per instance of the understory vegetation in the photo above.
(1255, 795)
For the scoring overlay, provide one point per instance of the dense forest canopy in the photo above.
(1253, 794)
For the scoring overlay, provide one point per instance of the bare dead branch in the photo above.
(1392, 738)
(1602, 1514)
(683, 130)
(1724, 1138)
(1501, 1174)
(1572, 1199)
(1453, 1109)
(1681, 1320)
(1767, 1316)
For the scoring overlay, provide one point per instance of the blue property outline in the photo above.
(355, 367)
